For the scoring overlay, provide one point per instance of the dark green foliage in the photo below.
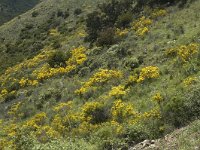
(56, 44)
(179, 111)
(106, 37)
(131, 63)
(100, 115)
(10, 97)
(94, 23)
(11, 8)
(77, 11)
(135, 134)
(114, 9)
(57, 59)
(124, 19)
(35, 14)
(155, 3)
(106, 17)
(62, 14)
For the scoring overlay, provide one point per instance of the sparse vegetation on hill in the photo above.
(12, 8)
(99, 74)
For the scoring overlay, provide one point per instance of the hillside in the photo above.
(11, 8)
(184, 138)
(100, 74)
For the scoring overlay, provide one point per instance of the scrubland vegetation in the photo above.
(105, 75)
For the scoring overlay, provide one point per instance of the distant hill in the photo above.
(12, 8)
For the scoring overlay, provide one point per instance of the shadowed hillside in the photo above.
(11, 8)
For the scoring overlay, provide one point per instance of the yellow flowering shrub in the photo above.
(184, 52)
(10, 129)
(142, 31)
(121, 111)
(14, 111)
(153, 113)
(58, 124)
(4, 92)
(122, 33)
(46, 133)
(4, 143)
(159, 13)
(54, 32)
(102, 76)
(93, 112)
(73, 119)
(132, 79)
(189, 81)
(63, 106)
(118, 91)
(158, 98)
(141, 25)
(150, 72)
(85, 128)
(26, 82)
(12, 76)
(119, 129)
(36, 121)
(77, 58)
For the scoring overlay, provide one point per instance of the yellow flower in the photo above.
(184, 52)
(149, 72)
(118, 91)
(122, 33)
(190, 80)
(54, 32)
(122, 111)
(61, 106)
(159, 13)
(141, 25)
(102, 76)
(23, 82)
(4, 92)
(158, 98)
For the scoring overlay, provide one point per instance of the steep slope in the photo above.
(184, 139)
(11, 8)
(30, 32)
(80, 76)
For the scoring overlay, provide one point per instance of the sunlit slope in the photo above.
(97, 82)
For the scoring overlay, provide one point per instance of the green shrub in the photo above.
(155, 3)
(114, 9)
(64, 14)
(106, 17)
(58, 59)
(106, 37)
(94, 24)
(35, 14)
(124, 19)
(135, 134)
(77, 11)
(180, 110)
(131, 63)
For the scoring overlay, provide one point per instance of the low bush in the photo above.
(124, 19)
(58, 59)
(106, 16)
(179, 110)
(106, 37)
(35, 14)
(77, 11)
